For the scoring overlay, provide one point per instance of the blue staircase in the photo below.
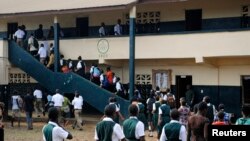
(67, 83)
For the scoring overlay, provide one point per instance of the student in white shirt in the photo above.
(102, 31)
(42, 52)
(77, 103)
(116, 133)
(118, 28)
(174, 130)
(19, 34)
(53, 131)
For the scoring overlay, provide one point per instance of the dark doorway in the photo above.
(245, 81)
(12, 28)
(82, 26)
(193, 19)
(181, 83)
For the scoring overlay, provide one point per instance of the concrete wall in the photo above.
(4, 71)
(220, 44)
(201, 75)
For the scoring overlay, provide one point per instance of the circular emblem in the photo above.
(103, 46)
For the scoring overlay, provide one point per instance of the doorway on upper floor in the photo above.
(82, 26)
(11, 29)
(193, 19)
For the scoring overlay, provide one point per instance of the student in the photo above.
(102, 31)
(245, 120)
(118, 28)
(53, 131)
(220, 120)
(16, 102)
(174, 131)
(150, 102)
(133, 128)
(113, 101)
(164, 116)
(197, 128)
(107, 129)
(29, 107)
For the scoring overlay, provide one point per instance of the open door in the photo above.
(245, 81)
(82, 26)
(193, 19)
(11, 29)
(181, 83)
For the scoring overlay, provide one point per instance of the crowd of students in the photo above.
(170, 123)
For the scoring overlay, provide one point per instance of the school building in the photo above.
(205, 43)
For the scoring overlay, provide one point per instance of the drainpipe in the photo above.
(56, 45)
(132, 16)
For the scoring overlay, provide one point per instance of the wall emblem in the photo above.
(103, 46)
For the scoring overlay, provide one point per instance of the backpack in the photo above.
(150, 104)
(210, 113)
(96, 72)
(105, 82)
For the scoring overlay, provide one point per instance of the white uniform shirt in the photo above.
(58, 100)
(58, 133)
(101, 31)
(118, 86)
(117, 134)
(46, 46)
(165, 97)
(31, 40)
(139, 129)
(118, 29)
(182, 135)
(79, 65)
(38, 94)
(19, 34)
(101, 78)
(42, 52)
(14, 102)
(77, 103)
(70, 65)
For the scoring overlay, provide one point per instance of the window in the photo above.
(19, 78)
(144, 79)
(162, 79)
(146, 22)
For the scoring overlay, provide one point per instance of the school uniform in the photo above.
(108, 130)
(133, 129)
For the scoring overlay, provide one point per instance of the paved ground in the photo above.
(22, 134)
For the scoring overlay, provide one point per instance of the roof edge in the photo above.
(69, 11)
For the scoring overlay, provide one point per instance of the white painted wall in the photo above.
(218, 44)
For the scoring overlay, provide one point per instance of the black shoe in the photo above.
(44, 113)
(30, 128)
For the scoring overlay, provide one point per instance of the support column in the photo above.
(132, 16)
(56, 45)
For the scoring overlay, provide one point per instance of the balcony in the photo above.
(196, 45)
